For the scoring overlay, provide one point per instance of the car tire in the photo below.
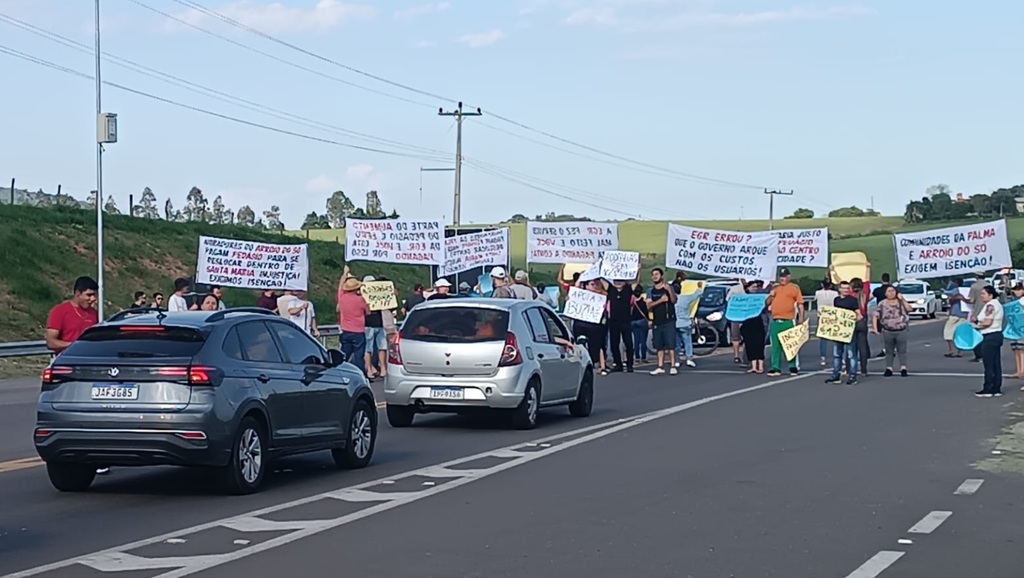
(360, 439)
(524, 416)
(584, 402)
(401, 415)
(247, 464)
(70, 477)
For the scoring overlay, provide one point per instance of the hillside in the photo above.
(42, 251)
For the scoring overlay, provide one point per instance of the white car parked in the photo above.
(920, 296)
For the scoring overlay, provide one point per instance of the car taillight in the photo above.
(56, 374)
(395, 351)
(195, 375)
(510, 354)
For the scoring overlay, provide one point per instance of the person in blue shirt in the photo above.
(684, 325)
(958, 312)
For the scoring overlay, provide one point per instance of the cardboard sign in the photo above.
(745, 306)
(584, 305)
(472, 250)
(722, 253)
(803, 247)
(380, 295)
(570, 242)
(794, 338)
(836, 324)
(953, 251)
(249, 265)
(620, 265)
(689, 288)
(394, 241)
(1013, 313)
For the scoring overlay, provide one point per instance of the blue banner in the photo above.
(1013, 313)
(745, 306)
(965, 337)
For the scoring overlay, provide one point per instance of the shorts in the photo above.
(1017, 345)
(734, 332)
(951, 324)
(663, 337)
(376, 340)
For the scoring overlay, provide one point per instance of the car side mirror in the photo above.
(581, 340)
(335, 357)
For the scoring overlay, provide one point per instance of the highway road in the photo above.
(713, 473)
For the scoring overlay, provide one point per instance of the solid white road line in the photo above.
(876, 565)
(969, 487)
(118, 558)
(929, 523)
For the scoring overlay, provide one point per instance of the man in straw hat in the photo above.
(352, 312)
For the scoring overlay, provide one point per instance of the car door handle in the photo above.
(262, 378)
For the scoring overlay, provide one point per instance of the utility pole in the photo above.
(106, 132)
(771, 206)
(459, 115)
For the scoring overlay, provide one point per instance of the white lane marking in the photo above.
(117, 558)
(929, 523)
(969, 487)
(905, 542)
(876, 565)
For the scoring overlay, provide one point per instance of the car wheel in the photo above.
(525, 416)
(248, 463)
(360, 440)
(401, 415)
(70, 477)
(584, 402)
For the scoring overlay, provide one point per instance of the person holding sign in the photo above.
(661, 301)
(783, 300)
(1011, 312)
(845, 351)
(752, 330)
(352, 312)
(684, 323)
(989, 322)
(893, 318)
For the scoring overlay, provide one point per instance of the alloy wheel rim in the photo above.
(362, 434)
(531, 404)
(250, 456)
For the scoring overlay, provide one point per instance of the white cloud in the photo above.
(481, 39)
(762, 17)
(600, 16)
(355, 181)
(275, 17)
(321, 184)
(422, 10)
(424, 44)
(643, 16)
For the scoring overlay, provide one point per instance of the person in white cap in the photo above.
(521, 288)
(500, 280)
(441, 288)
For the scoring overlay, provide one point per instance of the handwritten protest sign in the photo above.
(1013, 312)
(836, 324)
(252, 265)
(722, 253)
(394, 241)
(592, 272)
(689, 288)
(795, 338)
(965, 337)
(380, 295)
(803, 247)
(953, 250)
(620, 265)
(472, 250)
(745, 306)
(584, 305)
(570, 242)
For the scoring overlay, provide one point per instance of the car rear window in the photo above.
(459, 324)
(128, 341)
(712, 297)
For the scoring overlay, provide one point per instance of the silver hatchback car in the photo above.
(462, 354)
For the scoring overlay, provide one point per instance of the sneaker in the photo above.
(673, 371)
(658, 371)
(676, 365)
(774, 373)
(102, 471)
(823, 362)
(604, 372)
(997, 394)
(690, 363)
(794, 371)
(983, 393)
(851, 381)
(834, 380)
(888, 373)
(903, 373)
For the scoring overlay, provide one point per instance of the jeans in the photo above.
(684, 342)
(895, 343)
(844, 352)
(778, 356)
(353, 345)
(640, 330)
(823, 348)
(621, 332)
(991, 350)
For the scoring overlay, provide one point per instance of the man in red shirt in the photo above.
(352, 311)
(69, 320)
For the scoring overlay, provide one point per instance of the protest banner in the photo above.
(620, 265)
(472, 250)
(794, 338)
(803, 247)
(584, 305)
(689, 288)
(1013, 313)
(249, 265)
(966, 337)
(380, 295)
(722, 253)
(394, 241)
(570, 242)
(836, 324)
(953, 251)
(745, 306)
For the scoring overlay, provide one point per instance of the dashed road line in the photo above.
(877, 564)
(929, 523)
(969, 487)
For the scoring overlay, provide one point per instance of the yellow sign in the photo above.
(689, 288)
(836, 324)
(380, 295)
(793, 339)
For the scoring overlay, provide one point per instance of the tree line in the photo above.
(940, 204)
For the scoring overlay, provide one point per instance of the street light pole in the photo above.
(99, 172)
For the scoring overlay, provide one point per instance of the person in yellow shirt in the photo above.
(783, 300)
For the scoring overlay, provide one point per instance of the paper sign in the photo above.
(836, 324)
(965, 337)
(571, 242)
(745, 306)
(584, 305)
(380, 295)
(472, 250)
(250, 265)
(803, 247)
(689, 288)
(793, 339)
(394, 241)
(620, 265)
(1013, 313)
(953, 251)
(722, 253)
(486, 284)
(592, 272)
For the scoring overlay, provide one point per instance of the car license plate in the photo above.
(446, 393)
(126, 391)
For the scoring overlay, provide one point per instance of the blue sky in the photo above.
(841, 101)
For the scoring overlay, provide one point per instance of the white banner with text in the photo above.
(250, 265)
(803, 247)
(952, 251)
(401, 241)
(472, 250)
(570, 242)
(722, 253)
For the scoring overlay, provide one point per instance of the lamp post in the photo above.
(106, 132)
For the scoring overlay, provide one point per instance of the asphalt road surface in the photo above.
(712, 473)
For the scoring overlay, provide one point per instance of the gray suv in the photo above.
(230, 390)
